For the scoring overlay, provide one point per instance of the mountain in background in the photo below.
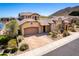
(72, 11)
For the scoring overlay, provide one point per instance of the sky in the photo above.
(45, 9)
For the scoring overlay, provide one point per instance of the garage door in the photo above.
(30, 31)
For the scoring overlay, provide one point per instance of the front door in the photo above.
(44, 29)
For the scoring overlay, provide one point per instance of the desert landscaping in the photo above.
(31, 31)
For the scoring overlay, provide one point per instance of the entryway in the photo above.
(44, 29)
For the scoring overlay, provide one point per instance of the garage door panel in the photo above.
(31, 31)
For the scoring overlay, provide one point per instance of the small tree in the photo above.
(12, 28)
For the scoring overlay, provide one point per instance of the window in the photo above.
(29, 17)
(26, 17)
(35, 17)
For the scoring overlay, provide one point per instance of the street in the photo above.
(70, 49)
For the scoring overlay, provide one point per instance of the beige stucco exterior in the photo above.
(33, 21)
(52, 27)
(30, 24)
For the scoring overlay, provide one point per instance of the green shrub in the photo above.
(54, 34)
(50, 33)
(3, 54)
(4, 39)
(12, 43)
(65, 33)
(24, 47)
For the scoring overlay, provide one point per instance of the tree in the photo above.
(12, 28)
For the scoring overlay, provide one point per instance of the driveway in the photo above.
(36, 41)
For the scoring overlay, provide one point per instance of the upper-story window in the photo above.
(28, 17)
(36, 18)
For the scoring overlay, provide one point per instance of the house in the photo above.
(33, 23)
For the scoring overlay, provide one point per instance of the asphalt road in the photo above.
(70, 49)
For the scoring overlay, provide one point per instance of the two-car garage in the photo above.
(31, 31)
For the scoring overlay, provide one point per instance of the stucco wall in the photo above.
(30, 24)
(53, 26)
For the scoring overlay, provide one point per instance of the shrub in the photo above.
(24, 47)
(54, 34)
(77, 22)
(4, 47)
(3, 54)
(6, 51)
(12, 43)
(77, 26)
(65, 33)
(73, 30)
(14, 50)
(4, 39)
(50, 33)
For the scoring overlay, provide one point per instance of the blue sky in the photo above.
(12, 9)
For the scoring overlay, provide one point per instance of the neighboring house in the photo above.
(33, 23)
(6, 19)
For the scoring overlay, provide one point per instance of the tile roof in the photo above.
(27, 13)
(42, 22)
(24, 20)
(45, 21)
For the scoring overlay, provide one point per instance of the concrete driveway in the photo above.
(36, 41)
